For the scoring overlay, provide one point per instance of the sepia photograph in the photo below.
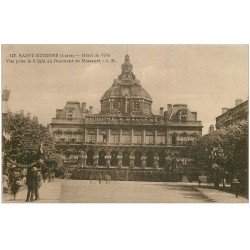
(124, 123)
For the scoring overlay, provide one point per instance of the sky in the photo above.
(205, 77)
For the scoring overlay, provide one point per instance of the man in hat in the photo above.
(37, 181)
(30, 182)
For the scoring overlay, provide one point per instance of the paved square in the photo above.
(127, 191)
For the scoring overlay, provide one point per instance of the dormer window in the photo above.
(136, 105)
(183, 115)
(70, 113)
(183, 118)
(115, 105)
(105, 105)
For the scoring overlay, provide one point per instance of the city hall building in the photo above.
(125, 134)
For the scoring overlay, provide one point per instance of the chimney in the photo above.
(224, 110)
(90, 110)
(84, 106)
(58, 111)
(35, 119)
(161, 110)
(29, 115)
(211, 128)
(169, 107)
(5, 95)
(238, 102)
(194, 115)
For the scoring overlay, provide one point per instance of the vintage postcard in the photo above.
(125, 123)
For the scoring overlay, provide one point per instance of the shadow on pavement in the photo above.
(189, 192)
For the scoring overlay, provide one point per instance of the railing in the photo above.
(138, 121)
(67, 121)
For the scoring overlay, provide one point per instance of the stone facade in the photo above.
(126, 133)
(230, 116)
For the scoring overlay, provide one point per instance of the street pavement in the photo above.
(67, 190)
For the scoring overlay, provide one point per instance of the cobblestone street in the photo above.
(119, 191)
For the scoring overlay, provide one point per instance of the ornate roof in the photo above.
(126, 85)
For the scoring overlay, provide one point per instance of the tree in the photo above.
(224, 152)
(26, 137)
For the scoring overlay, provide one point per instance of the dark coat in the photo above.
(38, 179)
(31, 179)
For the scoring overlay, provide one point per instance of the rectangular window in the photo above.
(68, 137)
(138, 139)
(115, 105)
(137, 136)
(149, 139)
(126, 139)
(160, 139)
(114, 138)
(137, 105)
(91, 138)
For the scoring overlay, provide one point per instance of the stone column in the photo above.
(132, 159)
(96, 158)
(97, 135)
(156, 160)
(108, 136)
(155, 136)
(84, 158)
(143, 160)
(132, 135)
(143, 136)
(108, 158)
(85, 135)
(168, 159)
(119, 157)
(120, 135)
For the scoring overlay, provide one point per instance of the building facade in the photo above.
(125, 133)
(231, 116)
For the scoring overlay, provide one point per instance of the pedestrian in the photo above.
(44, 174)
(5, 183)
(38, 182)
(30, 182)
(14, 185)
(52, 176)
(224, 183)
(236, 186)
(100, 178)
(199, 181)
(49, 176)
(90, 178)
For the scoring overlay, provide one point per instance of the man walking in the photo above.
(236, 186)
(30, 182)
(38, 182)
(100, 178)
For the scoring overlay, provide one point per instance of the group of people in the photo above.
(12, 182)
(107, 178)
(16, 177)
(50, 176)
(235, 185)
(33, 182)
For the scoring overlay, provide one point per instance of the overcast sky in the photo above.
(206, 78)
